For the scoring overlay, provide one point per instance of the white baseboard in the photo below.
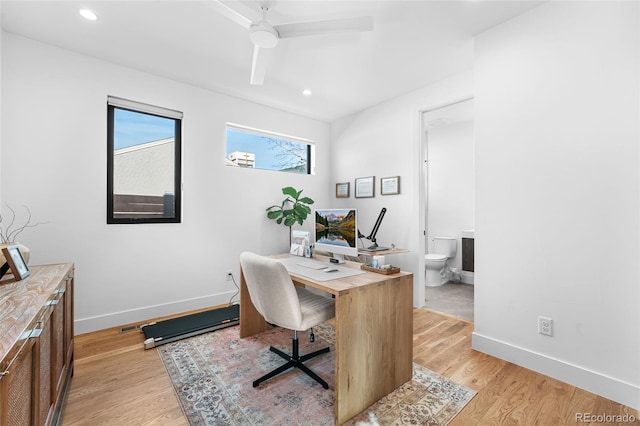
(592, 381)
(115, 319)
(467, 277)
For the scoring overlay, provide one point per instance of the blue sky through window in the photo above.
(134, 128)
(268, 155)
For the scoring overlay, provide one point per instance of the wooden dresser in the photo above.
(36, 345)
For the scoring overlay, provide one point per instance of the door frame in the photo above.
(423, 189)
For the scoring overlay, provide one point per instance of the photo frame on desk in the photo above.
(365, 187)
(300, 243)
(16, 262)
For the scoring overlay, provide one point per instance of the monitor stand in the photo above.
(336, 258)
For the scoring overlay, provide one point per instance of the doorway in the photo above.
(447, 144)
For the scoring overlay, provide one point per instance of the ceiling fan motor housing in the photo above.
(263, 35)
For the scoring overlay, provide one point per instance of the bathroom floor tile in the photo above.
(453, 298)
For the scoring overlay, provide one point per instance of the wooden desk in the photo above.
(374, 334)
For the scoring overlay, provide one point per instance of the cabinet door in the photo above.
(16, 384)
(43, 387)
(62, 345)
(50, 355)
(68, 321)
(58, 349)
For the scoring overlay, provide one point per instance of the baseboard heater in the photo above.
(161, 332)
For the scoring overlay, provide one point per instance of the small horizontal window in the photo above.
(256, 149)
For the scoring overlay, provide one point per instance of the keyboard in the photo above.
(313, 264)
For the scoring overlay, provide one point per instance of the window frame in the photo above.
(137, 107)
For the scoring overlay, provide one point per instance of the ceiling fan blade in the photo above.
(229, 13)
(334, 26)
(259, 66)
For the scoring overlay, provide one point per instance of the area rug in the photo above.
(213, 373)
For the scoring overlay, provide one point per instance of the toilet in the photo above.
(435, 263)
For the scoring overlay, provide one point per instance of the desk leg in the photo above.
(251, 322)
(374, 344)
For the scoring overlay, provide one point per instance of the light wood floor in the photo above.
(117, 382)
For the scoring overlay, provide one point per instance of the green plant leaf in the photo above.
(302, 211)
(305, 200)
(290, 191)
(273, 214)
(279, 221)
(289, 221)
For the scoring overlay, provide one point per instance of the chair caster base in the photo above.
(294, 361)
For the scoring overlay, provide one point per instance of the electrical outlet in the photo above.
(545, 326)
(229, 275)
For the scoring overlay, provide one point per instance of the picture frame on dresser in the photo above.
(16, 262)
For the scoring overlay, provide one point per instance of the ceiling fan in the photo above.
(265, 35)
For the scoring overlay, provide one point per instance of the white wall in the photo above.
(54, 161)
(450, 184)
(385, 141)
(557, 190)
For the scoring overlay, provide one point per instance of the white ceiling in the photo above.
(413, 44)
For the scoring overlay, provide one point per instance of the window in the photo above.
(257, 149)
(143, 163)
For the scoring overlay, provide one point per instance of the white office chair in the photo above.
(281, 303)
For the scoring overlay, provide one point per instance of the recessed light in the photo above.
(88, 14)
(306, 92)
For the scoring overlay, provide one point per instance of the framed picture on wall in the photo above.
(16, 263)
(390, 185)
(342, 190)
(365, 187)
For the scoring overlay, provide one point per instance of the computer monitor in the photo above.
(336, 232)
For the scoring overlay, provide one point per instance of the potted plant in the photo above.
(292, 209)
